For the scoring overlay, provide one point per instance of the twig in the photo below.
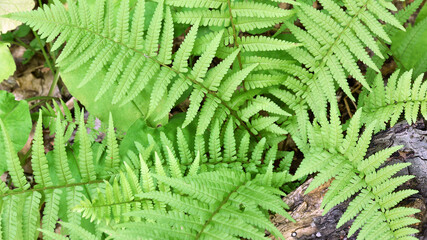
(348, 108)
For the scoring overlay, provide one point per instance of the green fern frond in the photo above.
(386, 103)
(185, 153)
(117, 46)
(112, 160)
(86, 163)
(222, 176)
(51, 210)
(31, 216)
(254, 9)
(226, 219)
(52, 235)
(12, 161)
(402, 16)
(50, 115)
(205, 16)
(39, 161)
(247, 24)
(334, 40)
(110, 204)
(62, 167)
(59, 184)
(78, 231)
(11, 219)
(201, 66)
(219, 153)
(262, 103)
(375, 188)
(230, 153)
(262, 43)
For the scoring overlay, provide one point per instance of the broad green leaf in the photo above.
(124, 116)
(410, 47)
(17, 120)
(10, 6)
(7, 64)
(139, 130)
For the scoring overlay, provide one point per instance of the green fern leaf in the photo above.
(229, 143)
(77, 230)
(206, 114)
(62, 167)
(206, 17)
(262, 43)
(11, 218)
(201, 66)
(39, 161)
(31, 216)
(386, 104)
(12, 160)
(112, 159)
(50, 212)
(254, 9)
(86, 164)
(165, 52)
(181, 59)
(228, 87)
(262, 103)
(196, 99)
(153, 32)
(136, 35)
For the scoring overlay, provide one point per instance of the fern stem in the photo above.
(199, 234)
(348, 108)
(48, 62)
(46, 98)
(21, 43)
(49, 188)
(42, 99)
(54, 83)
(236, 44)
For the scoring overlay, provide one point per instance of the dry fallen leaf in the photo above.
(11, 6)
